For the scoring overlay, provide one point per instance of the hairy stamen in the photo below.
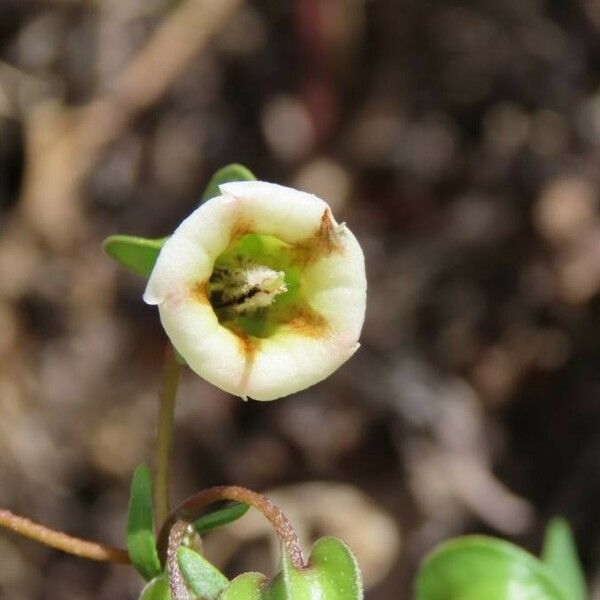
(246, 289)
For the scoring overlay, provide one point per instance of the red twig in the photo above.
(61, 541)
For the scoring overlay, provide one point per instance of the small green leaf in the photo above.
(245, 587)
(157, 589)
(281, 589)
(478, 567)
(203, 578)
(336, 570)
(139, 254)
(180, 360)
(134, 253)
(560, 555)
(332, 574)
(141, 543)
(221, 517)
(292, 584)
(232, 172)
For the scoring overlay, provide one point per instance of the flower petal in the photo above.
(189, 254)
(277, 210)
(212, 351)
(335, 286)
(288, 363)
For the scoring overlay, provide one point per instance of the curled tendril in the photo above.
(176, 527)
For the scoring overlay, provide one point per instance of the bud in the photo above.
(260, 290)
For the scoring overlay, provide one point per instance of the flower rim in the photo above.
(304, 350)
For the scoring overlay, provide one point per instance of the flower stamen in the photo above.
(246, 289)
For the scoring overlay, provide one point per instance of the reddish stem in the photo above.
(188, 511)
(60, 540)
(177, 585)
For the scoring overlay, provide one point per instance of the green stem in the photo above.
(164, 435)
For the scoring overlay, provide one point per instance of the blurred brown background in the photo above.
(460, 142)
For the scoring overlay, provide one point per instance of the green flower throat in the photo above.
(255, 286)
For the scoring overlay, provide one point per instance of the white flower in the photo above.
(260, 290)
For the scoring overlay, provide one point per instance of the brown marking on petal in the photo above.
(199, 292)
(249, 346)
(241, 227)
(308, 322)
(328, 238)
(324, 242)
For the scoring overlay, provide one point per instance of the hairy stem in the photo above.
(188, 511)
(164, 435)
(60, 540)
(177, 585)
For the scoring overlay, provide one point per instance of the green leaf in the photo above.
(479, 567)
(332, 574)
(180, 360)
(336, 570)
(203, 578)
(232, 172)
(157, 589)
(245, 587)
(139, 254)
(291, 584)
(134, 253)
(141, 543)
(221, 517)
(560, 555)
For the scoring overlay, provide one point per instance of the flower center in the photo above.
(246, 288)
(255, 285)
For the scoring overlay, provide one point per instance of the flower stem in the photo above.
(188, 509)
(60, 540)
(164, 435)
